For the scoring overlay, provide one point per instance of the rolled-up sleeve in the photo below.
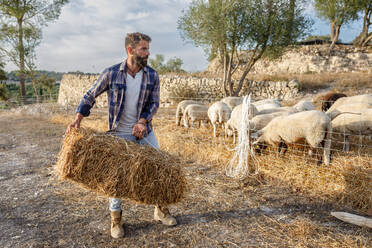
(89, 98)
(154, 100)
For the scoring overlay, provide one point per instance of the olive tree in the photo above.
(337, 12)
(226, 27)
(172, 65)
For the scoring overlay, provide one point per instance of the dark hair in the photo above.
(132, 39)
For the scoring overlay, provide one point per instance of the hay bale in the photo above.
(114, 167)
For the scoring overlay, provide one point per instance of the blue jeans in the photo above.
(150, 140)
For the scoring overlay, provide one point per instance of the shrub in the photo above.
(184, 90)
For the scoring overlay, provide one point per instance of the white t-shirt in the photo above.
(129, 115)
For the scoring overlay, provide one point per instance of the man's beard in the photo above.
(140, 61)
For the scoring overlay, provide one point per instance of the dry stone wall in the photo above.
(73, 87)
(310, 59)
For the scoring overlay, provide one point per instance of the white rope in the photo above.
(239, 164)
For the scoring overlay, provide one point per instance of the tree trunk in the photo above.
(229, 70)
(224, 74)
(21, 61)
(368, 39)
(359, 40)
(38, 100)
(335, 32)
(34, 86)
(363, 38)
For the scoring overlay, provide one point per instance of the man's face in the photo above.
(141, 53)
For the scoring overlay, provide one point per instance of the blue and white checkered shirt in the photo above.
(113, 80)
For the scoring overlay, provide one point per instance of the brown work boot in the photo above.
(117, 230)
(162, 214)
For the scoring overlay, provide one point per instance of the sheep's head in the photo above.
(258, 141)
(257, 137)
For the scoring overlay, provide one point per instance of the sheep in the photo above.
(195, 112)
(304, 105)
(218, 113)
(267, 101)
(232, 101)
(350, 100)
(181, 108)
(267, 104)
(277, 110)
(260, 121)
(233, 124)
(329, 98)
(348, 108)
(312, 126)
(359, 123)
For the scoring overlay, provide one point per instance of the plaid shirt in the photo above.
(113, 80)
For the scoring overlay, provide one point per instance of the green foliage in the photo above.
(318, 37)
(337, 12)
(47, 83)
(157, 63)
(13, 93)
(3, 76)
(57, 76)
(4, 96)
(172, 65)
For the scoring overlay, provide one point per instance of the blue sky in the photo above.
(89, 35)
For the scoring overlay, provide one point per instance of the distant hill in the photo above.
(13, 75)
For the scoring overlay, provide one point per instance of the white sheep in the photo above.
(358, 123)
(348, 108)
(218, 113)
(232, 101)
(181, 109)
(367, 98)
(290, 110)
(268, 101)
(313, 126)
(267, 104)
(234, 123)
(304, 105)
(260, 121)
(195, 112)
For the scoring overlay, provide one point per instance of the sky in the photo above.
(89, 34)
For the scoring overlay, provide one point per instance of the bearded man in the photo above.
(133, 95)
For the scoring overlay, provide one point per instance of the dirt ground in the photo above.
(37, 210)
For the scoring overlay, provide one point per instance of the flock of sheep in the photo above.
(272, 124)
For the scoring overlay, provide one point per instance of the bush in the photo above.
(4, 95)
(183, 91)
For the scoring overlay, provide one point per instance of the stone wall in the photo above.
(73, 87)
(309, 59)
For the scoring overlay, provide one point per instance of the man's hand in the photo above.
(75, 123)
(139, 129)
